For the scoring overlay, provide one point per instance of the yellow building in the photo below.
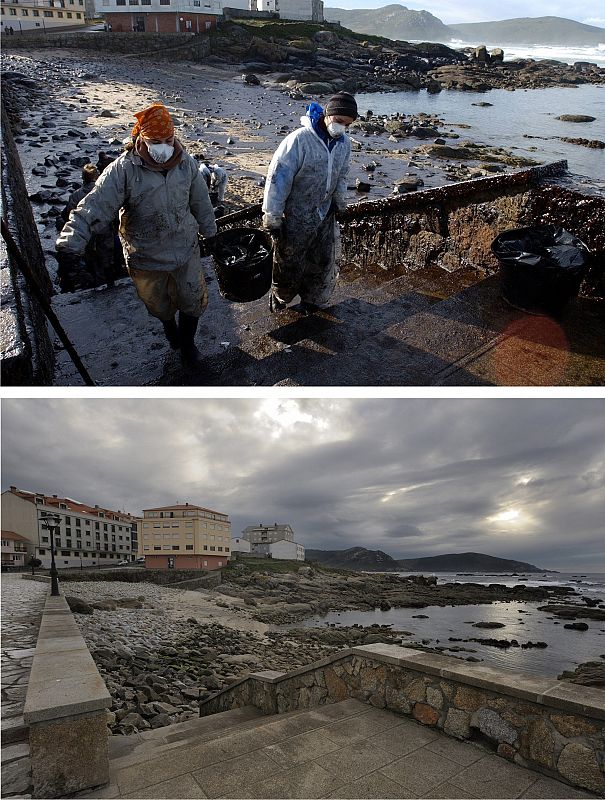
(185, 536)
(26, 15)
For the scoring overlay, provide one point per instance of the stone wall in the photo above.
(453, 226)
(66, 709)
(552, 727)
(163, 577)
(27, 356)
(174, 46)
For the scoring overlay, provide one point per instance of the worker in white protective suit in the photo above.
(216, 181)
(306, 185)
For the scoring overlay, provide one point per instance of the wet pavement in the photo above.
(414, 330)
(22, 605)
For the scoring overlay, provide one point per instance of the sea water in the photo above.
(522, 620)
(512, 117)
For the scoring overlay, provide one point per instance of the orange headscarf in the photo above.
(154, 123)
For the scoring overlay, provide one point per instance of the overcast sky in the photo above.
(587, 11)
(515, 478)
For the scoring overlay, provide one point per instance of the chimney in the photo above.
(13, 488)
(55, 496)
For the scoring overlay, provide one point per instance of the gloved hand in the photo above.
(69, 260)
(336, 206)
(207, 246)
(273, 225)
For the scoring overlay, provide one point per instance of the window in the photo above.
(145, 2)
(65, 552)
(212, 548)
(78, 523)
(189, 536)
(13, 12)
(102, 555)
(146, 547)
(226, 549)
(220, 549)
(79, 544)
(176, 547)
(205, 563)
(205, 547)
(156, 525)
(167, 547)
(44, 539)
(67, 530)
(188, 547)
(62, 505)
(105, 528)
(41, 552)
(24, 12)
(36, 14)
(88, 523)
(76, 553)
(97, 524)
(156, 547)
(78, 15)
(189, 524)
(220, 563)
(165, 524)
(68, 543)
(176, 525)
(113, 528)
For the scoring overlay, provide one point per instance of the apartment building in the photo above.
(86, 536)
(271, 541)
(14, 550)
(25, 15)
(185, 536)
(257, 534)
(160, 16)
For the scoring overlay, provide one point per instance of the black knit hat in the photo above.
(342, 104)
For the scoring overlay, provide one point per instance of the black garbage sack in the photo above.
(541, 268)
(243, 262)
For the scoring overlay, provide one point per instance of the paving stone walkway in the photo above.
(22, 606)
(345, 750)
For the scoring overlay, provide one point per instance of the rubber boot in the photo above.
(172, 333)
(190, 355)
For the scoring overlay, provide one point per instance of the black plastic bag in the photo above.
(243, 262)
(541, 268)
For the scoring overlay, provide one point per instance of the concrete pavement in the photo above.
(345, 750)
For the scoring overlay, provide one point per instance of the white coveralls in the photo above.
(303, 182)
(161, 216)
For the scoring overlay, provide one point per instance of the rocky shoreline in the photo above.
(162, 650)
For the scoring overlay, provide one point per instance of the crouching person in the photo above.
(163, 205)
(306, 185)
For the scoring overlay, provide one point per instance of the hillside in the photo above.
(393, 22)
(398, 22)
(529, 31)
(466, 562)
(360, 558)
(355, 558)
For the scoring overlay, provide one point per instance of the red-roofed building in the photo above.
(185, 536)
(87, 535)
(14, 550)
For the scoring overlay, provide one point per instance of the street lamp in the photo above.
(51, 523)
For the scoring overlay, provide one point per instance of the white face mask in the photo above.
(160, 152)
(336, 129)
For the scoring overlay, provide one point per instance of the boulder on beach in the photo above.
(576, 626)
(489, 625)
(78, 606)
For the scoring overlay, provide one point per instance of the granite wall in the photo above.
(551, 727)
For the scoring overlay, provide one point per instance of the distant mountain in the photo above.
(360, 558)
(529, 31)
(355, 558)
(393, 22)
(466, 562)
(398, 22)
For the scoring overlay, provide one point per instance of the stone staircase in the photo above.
(422, 328)
(346, 749)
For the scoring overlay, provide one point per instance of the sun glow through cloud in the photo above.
(509, 515)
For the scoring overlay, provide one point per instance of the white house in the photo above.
(312, 10)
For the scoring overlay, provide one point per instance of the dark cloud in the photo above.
(517, 478)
